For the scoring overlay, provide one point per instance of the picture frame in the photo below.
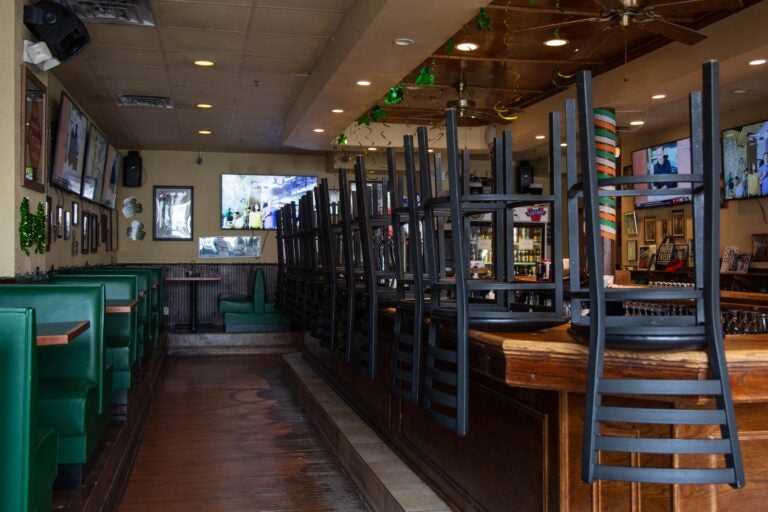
(34, 119)
(678, 223)
(649, 231)
(644, 257)
(85, 234)
(172, 213)
(760, 247)
(94, 232)
(75, 213)
(631, 250)
(59, 221)
(49, 233)
(630, 224)
(67, 224)
(69, 155)
(664, 228)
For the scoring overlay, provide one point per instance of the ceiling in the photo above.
(282, 65)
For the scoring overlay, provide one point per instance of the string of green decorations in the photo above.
(483, 22)
(450, 46)
(426, 76)
(342, 139)
(395, 95)
(31, 227)
(375, 114)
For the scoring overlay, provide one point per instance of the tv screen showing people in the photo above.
(669, 158)
(745, 161)
(251, 201)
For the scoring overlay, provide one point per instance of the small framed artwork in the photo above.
(644, 257)
(104, 225)
(649, 224)
(172, 213)
(85, 233)
(664, 225)
(630, 224)
(678, 223)
(631, 250)
(50, 233)
(75, 213)
(59, 221)
(760, 247)
(94, 232)
(67, 225)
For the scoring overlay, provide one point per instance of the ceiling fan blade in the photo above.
(672, 31)
(703, 5)
(594, 43)
(554, 26)
(611, 5)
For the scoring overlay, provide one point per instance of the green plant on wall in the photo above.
(31, 227)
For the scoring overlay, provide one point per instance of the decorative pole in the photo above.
(605, 148)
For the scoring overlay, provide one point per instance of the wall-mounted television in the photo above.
(250, 201)
(69, 155)
(745, 161)
(666, 158)
(95, 160)
(111, 177)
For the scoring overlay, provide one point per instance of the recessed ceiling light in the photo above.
(467, 46)
(371, 149)
(337, 110)
(637, 123)
(363, 82)
(740, 91)
(555, 42)
(204, 63)
(403, 41)
(430, 151)
(658, 96)
(318, 130)
(757, 62)
(204, 132)
(540, 137)
(563, 144)
(204, 105)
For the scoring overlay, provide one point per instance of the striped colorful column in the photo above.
(605, 147)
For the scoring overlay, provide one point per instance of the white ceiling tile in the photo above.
(207, 16)
(228, 61)
(294, 22)
(206, 93)
(123, 36)
(313, 5)
(203, 76)
(124, 56)
(144, 74)
(139, 88)
(278, 65)
(196, 40)
(285, 46)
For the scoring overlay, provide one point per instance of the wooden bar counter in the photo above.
(523, 450)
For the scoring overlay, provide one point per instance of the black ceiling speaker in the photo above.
(58, 27)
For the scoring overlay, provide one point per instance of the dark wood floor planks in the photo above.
(226, 434)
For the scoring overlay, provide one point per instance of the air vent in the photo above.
(127, 100)
(123, 12)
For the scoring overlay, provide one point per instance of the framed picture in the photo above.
(644, 259)
(172, 213)
(630, 224)
(631, 250)
(664, 228)
(104, 225)
(59, 221)
(50, 233)
(678, 223)
(94, 232)
(85, 234)
(67, 225)
(69, 155)
(75, 213)
(760, 247)
(650, 229)
(34, 121)
(95, 161)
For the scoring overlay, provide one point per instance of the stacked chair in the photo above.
(680, 438)
(460, 302)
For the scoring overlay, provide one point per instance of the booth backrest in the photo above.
(18, 408)
(115, 286)
(83, 357)
(259, 291)
(144, 280)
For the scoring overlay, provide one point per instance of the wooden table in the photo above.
(60, 333)
(193, 280)
(120, 305)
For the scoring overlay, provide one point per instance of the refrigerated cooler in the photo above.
(532, 238)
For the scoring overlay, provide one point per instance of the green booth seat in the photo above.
(29, 452)
(156, 298)
(75, 384)
(253, 313)
(120, 329)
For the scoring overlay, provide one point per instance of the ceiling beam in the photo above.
(472, 58)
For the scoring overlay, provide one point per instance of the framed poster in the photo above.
(34, 121)
(630, 224)
(85, 234)
(678, 223)
(172, 213)
(631, 250)
(649, 224)
(95, 161)
(760, 247)
(69, 156)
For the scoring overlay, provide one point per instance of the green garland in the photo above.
(31, 227)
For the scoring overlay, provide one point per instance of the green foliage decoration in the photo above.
(426, 76)
(377, 113)
(483, 22)
(395, 95)
(31, 227)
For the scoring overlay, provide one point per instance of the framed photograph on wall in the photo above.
(75, 213)
(172, 213)
(760, 247)
(67, 224)
(69, 155)
(85, 234)
(34, 121)
(644, 257)
(649, 224)
(678, 223)
(664, 225)
(94, 232)
(631, 250)
(630, 224)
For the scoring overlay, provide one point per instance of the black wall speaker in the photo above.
(524, 176)
(58, 27)
(132, 169)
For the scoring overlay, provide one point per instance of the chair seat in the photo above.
(235, 305)
(68, 406)
(45, 453)
(639, 339)
(497, 318)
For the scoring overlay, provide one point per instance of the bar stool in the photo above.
(350, 270)
(324, 325)
(669, 436)
(502, 301)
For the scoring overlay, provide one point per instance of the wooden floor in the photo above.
(226, 434)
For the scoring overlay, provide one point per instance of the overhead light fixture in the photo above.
(658, 96)
(204, 132)
(204, 105)
(430, 150)
(563, 144)
(540, 137)
(204, 63)
(740, 91)
(467, 46)
(337, 110)
(318, 130)
(403, 41)
(757, 62)
(637, 123)
(371, 149)
(363, 83)
(556, 42)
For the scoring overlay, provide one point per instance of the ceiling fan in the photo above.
(645, 15)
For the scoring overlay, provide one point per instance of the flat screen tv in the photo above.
(111, 177)
(666, 158)
(95, 161)
(745, 161)
(250, 201)
(69, 156)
